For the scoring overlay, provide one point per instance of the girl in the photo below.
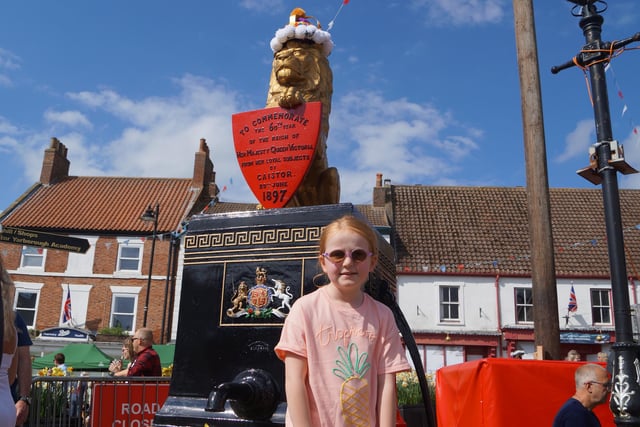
(341, 348)
(116, 368)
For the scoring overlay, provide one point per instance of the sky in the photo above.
(425, 92)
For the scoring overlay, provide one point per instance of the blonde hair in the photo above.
(128, 345)
(349, 223)
(8, 291)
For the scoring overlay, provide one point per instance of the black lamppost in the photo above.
(150, 215)
(606, 160)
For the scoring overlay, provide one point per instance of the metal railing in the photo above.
(96, 401)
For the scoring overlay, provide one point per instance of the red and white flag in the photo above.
(573, 302)
(66, 310)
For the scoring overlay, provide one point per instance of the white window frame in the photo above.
(128, 242)
(601, 307)
(40, 267)
(525, 305)
(125, 292)
(31, 288)
(442, 303)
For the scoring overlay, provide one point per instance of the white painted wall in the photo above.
(419, 298)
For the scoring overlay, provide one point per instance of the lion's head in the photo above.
(300, 73)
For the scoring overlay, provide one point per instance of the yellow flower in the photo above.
(168, 371)
(408, 388)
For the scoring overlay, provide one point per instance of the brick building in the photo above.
(108, 284)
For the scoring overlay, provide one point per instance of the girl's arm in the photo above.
(295, 388)
(387, 401)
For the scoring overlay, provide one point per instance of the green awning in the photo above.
(79, 356)
(165, 351)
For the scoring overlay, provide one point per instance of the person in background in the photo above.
(602, 357)
(147, 361)
(341, 348)
(517, 354)
(573, 356)
(21, 387)
(77, 397)
(116, 367)
(8, 362)
(58, 361)
(592, 388)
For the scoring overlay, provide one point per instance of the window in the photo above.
(600, 306)
(524, 305)
(26, 303)
(449, 303)
(32, 257)
(123, 312)
(129, 255)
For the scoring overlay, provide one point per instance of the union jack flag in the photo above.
(66, 311)
(573, 302)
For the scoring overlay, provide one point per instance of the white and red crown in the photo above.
(301, 28)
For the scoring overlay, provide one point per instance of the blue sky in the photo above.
(425, 91)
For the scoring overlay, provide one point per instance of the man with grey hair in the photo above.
(147, 361)
(592, 388)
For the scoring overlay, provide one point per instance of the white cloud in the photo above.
(463, 12)
(6, 127)
(269, 6)
(8, 60)
(158, 137)
(404, 141)
(578, 141)
(5, 81)
(69, 118)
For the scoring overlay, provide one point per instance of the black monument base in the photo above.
(242, 273)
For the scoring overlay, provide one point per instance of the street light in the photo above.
(606, 160)
(150, 215)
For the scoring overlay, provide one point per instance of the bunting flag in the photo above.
(225, 187)
(625, 107)
(573, 302)
(66, 311)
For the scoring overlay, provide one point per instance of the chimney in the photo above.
(203, 175)
(381, 194)
(55, 166)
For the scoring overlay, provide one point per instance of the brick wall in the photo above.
(104, 264)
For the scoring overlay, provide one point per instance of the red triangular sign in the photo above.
(275, 148)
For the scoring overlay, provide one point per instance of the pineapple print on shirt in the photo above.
(354, 392)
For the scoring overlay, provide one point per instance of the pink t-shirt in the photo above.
(346, 349)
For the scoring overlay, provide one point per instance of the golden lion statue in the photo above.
(301, 73)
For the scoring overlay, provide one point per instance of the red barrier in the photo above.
(507, 392)
(126, 404)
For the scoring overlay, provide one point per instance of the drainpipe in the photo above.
(499, 312)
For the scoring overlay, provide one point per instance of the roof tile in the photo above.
(485, 230)
(104, 204)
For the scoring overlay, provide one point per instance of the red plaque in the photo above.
(275, 148)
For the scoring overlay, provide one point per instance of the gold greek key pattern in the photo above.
(252, 237)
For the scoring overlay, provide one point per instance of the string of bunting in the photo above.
(457, 267)
(612, 54)
(342, 4)
(609, 68)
